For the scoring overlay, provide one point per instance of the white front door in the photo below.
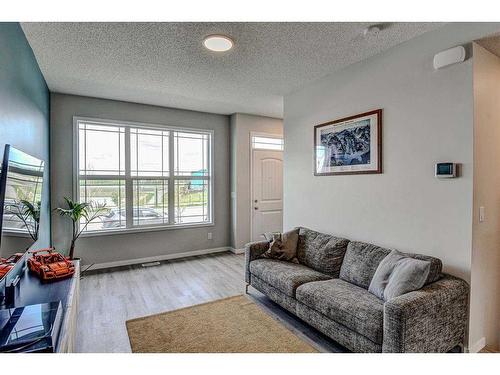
(267, 192)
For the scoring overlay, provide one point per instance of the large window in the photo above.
(147, 176)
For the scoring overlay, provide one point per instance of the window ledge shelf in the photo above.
(144, 229)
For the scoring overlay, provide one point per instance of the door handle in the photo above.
(256, 208)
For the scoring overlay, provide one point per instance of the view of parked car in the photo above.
(145, 216)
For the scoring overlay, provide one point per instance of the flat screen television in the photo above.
(21, 183)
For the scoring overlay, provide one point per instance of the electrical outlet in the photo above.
(209, 235)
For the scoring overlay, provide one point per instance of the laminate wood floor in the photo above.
(108, 298)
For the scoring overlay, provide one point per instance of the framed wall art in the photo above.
(350, 145)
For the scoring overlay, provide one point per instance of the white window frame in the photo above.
(130, 228)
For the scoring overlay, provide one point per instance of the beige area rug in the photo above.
(230, 325)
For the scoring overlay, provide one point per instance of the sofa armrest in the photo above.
(432, 319)
(253, 250)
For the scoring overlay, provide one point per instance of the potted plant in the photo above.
(81, 215)
(28, 213)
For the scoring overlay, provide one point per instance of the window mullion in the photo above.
(129, 189)
(171, 183)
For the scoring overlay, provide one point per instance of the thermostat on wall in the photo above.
(446, 170)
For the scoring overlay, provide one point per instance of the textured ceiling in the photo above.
(165, 63)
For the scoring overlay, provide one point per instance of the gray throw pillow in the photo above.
(398, 274)
(284, 246)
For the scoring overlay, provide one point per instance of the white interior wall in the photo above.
(485, 272)
(127, 247)
(428, 117)
(242, 125)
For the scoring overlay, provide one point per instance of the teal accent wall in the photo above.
(24, 108)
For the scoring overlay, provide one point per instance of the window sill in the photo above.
(113, 232)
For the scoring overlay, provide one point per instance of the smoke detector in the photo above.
(372, 30)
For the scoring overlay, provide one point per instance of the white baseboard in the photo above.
(478, 345)
(237, 251)
(128, 262)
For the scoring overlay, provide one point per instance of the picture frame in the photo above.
(350, 145)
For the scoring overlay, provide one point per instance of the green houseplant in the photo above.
(28, 213)
(81, 215)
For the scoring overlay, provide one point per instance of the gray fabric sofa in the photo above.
(329, 291)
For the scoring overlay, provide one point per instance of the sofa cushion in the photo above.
(435, 272)
(284, 276)
(322, 252)
(346, 304)
(360, 263)
(362, 259)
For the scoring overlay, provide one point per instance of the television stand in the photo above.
(31, 291)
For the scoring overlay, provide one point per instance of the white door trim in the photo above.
(250, 136)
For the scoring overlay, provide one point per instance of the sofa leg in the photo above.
(460, 348)
(246, 288)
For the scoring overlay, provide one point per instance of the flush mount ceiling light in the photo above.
(218, 43)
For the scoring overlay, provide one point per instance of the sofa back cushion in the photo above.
(321, 252)
(362, 259)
